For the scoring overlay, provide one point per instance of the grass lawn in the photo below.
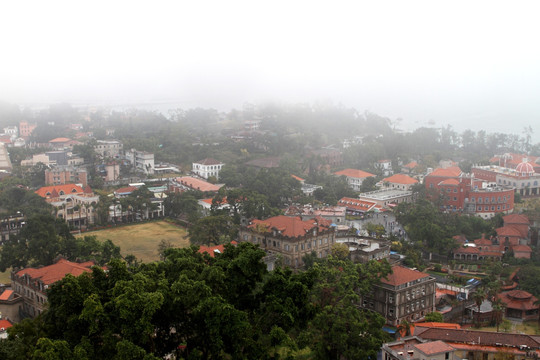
(142, 240)
(5, 277)
(527, 327)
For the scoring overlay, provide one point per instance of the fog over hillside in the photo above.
(472, 65)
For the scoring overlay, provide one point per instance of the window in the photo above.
(390, 299)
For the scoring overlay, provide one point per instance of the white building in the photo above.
(207, 167)
(108, 148)
(141, 160)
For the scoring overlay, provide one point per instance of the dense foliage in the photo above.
(198, 307)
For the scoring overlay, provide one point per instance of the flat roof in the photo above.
(385, 194)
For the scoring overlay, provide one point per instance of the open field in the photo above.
(5, 277)
(527, 327)
(142, 240)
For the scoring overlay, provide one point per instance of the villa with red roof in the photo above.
(405, 294)
(62, 143)
(31, 284)
(520, 305)
(400, 181)
(291, 237)
(354, 177)
(74, 204)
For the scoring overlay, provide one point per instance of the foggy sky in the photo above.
(468, 63)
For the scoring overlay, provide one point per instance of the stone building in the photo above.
(291, 237)
(405, 294)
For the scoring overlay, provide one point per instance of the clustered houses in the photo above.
(405, 294)
(291, 237)
(512, 237)
(435, 342)
(31, 284)
(355, 177)
(465, 193)
(207, 167)
(77, 206)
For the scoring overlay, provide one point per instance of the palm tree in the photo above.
(498, 311)
(404, 328)
(479, 296)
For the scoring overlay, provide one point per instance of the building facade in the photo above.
(109, 148)
(354, 177)
(290, 237)
(405, 294)
(207, 167)
(66, 175)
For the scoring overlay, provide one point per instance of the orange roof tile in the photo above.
(212, 250)
(197, 184)
(439, 325)
(5, 324)
(288, 226)
(53, 273)
(434, 347)
(60, 140)
(401, 275)
(411, 165)
(518, 299)
(401, 179)
(298, 178)
(516, 219)
(521, 248)
(47, 191)
(452, 171)
(354, 173)
(6, 294)
(357, 204)
(126, 190)
(508, 231)
(452, 182)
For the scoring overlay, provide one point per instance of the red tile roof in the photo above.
(508, 231)
(516, 219)
(53, 273)
(438, 324)
(354, 173)
(298, 178)
(288, 226)
(212, 250)
(411, 165)
(453, 171)
(521, 248)
(518, 299)
(47, 191)
(401, 179)
(452, 182)
(126, 190)
(197, 184)
(5, 324)
(401, 275)
(356, 204)
(60, 140)
(434, 347)
(209, 161)
(6, 294)
(485, 338)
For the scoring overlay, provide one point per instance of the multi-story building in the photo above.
(385, 166)
(466, 193)
(141, 160)
(405, 294)
(290, 237)
(354, 177)
(523, 178)
(66, 175)
(207, 167)
(109, 148)
(77, 206)
(11, 225)
(31, 284)
(26, 129)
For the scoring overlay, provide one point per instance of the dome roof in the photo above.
(518, 295)
(525, 168)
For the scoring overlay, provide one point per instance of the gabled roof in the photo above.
(209, 161)
(401, 275)
(357, 204)
(212, 250)
(401, 179)
(521, 248)
(53, 273)
(125, 190)
(467, 250)
(508, 231)
(6, 294)
(516, 219)
(477, 337)
(354, 173)
(411, 165)
(47, 191)
(434, 347)
(5, 324)
(453, 171)
(450, 182)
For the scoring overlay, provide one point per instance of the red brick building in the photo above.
(465, 193)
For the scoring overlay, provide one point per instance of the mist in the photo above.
(471, 65)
